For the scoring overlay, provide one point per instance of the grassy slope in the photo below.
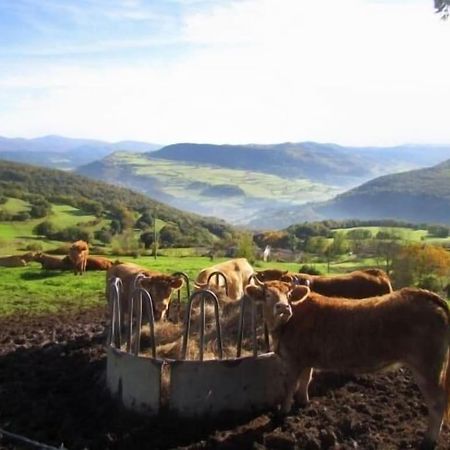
(15, 236)
(183, 185)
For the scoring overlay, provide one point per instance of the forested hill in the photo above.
(35, 184)
(417, 196)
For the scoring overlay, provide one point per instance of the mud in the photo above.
(51, 391)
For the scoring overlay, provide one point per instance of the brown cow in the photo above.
(410, 327)
(160, 286)
(16, 260)
(357, 284)
(50, 262)
(98, 263)
(237, 272)
(78, 254)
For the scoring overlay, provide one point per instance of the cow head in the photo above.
(270, 275)
(277, 298)
(160, 288)
(297, 279)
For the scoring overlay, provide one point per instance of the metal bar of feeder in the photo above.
(137, 278)
(187, 281)
(144, 298)
(218, 327)
(202, 326)
(218, 274)
(241, 326)
(187, 327)
(202, 293)
(254, 341)
(114, 302)
(266, 336)
(151, 320)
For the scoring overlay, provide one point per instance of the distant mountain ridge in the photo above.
(327, 163)
(64, 153)
(416, 196)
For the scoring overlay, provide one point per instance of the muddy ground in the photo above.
(51, 390)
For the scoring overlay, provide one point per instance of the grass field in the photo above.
(405, 234)
(30, 290)
(15, 236)
(178, 176)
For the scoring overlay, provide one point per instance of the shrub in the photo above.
(311, 270)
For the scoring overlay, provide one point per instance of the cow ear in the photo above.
(284, 273)
(256, 293)
(298, 294)
(176, 283)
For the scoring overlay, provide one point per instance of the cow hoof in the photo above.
(427, 444)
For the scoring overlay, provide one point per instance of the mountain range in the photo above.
(261, 186)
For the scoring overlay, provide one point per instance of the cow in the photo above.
(98, 263)
(16, 260)
(410, 327)
(237, 273)
(78, 254)
(160, 286)
(358, 284)
(50, 262)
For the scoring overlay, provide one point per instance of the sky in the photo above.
(352, 72)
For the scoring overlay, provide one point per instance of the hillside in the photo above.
(64, 153)
(34, 184)
(325, 163)
(415, 196)
(231, 194)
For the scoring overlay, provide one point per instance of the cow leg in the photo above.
(301, 395)
(435, 397)
(290, 385)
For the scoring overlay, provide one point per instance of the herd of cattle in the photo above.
(77, 259)
(349, 323)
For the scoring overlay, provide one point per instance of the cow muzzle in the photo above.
(282, 311)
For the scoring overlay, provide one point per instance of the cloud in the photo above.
(351, 72)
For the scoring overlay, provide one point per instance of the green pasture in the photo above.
(30, 290)
(178, 176)
(16, 235)
(15, 205)
(405, 234)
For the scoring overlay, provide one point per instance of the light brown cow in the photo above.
(410, 327)
(98, 263)
(237, 272)
(16, 260)
(358, 284)
(160, 286)
(78, 254)
(50, 262)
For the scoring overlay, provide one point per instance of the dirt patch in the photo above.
(52, 391)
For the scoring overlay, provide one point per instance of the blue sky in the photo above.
(227, 71)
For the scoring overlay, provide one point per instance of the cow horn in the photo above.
(256, 280)
(200, 285)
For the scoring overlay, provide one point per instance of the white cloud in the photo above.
(352, 71)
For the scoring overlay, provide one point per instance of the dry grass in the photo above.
(169, 335)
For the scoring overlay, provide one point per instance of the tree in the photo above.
(246, 248)
(442, 7)
(147, 239)
(424, 265)
(45, 228)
